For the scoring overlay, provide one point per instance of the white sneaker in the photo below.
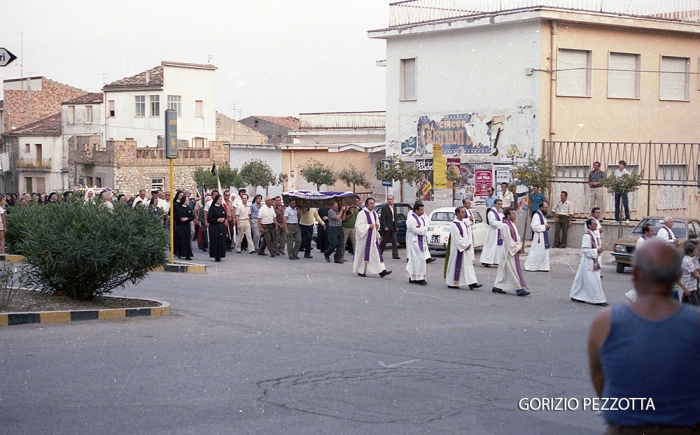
(627, 221)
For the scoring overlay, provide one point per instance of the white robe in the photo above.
(416, 247)
(587, 286)
(460, 242)
(367, 244)
(666, 233)
(468, 221)
(492, 252)
(538, 257)
(509, 275)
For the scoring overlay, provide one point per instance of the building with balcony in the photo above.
(82, 128)
(489, 83)
(35, 153)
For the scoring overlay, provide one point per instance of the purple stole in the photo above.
(498, 218)
(669, 233)
(516, 257)
(546, 233)
(420, 221)
(460, 254)
(596, 265)
(368, 245)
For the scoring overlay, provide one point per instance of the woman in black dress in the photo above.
(217, 231)
(183, 217)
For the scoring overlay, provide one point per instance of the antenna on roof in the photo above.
(209, 59)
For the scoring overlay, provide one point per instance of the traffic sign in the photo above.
(171, 134)
(6, 57)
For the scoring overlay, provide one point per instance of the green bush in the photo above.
(82, 250)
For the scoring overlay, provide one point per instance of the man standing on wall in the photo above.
(596, 197)
(621, 196)
(390, 227)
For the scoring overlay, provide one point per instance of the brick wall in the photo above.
(24, 106)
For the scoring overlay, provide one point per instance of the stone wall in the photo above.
(23, 106)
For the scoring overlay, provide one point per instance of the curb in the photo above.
(10, 319)
(182, 268)
(12, 258)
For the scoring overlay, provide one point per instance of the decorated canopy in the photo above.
(308, 198)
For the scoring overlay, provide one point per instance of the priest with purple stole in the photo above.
(538, 257)
(459, 259)
(368, 257)
(492, 251)
(416, 245)
(509, 275)
(587, 286)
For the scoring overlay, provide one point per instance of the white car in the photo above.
(439, 223)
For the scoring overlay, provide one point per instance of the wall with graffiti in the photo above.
(480, 135)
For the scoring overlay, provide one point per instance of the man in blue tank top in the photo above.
(645, 356)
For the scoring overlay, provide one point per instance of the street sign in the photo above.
(6, 57)
(171, 134)
(385, 164)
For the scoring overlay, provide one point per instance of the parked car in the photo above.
(623, 250)
(439, 222)
(402, 209)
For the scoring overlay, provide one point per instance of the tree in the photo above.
(317, 173)
(281, 179)
(398, 170)
(624, 184)
(537, 171)
(456, 177)
(82, 249)
(227, 176)
(257, 173)
(354, 177)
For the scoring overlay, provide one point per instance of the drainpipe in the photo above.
(552, 77)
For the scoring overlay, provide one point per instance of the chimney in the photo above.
(148, 76)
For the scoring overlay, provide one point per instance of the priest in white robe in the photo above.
(538, 257)
(509, 275)
(587, 286)
(492, 251)
(368, 257)
(417, 245)
(459, 259)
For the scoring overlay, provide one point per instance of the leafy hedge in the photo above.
(82, 250)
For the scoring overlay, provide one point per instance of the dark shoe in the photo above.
(273, 255)
(577, 300)
(218, 260)
(473, 286)
(362, 275)
(252, 252)
(338, 261)
(497, 290)
(262, 253)
(453, 286)
(308, 256)
(238, 252)
(327, 257)
(422, 282)
(602, 304)
(188, 258)
(485, 265)
(396, 258)
(384, 273)
(522, 292)
(431, 260)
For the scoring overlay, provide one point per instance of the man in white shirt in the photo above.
(140, 199)
(242, 222)
(506, 196)
(665, 232)
(620, 196)
(267, 222)
(563, 215)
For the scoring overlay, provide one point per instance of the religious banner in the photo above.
(483, 179)
(424, 186)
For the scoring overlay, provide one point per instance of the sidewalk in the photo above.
(572, 256)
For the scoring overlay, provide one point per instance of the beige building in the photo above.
(578, 81)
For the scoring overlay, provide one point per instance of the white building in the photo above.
(135, 106)
(82, 129)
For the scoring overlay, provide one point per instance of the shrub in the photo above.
(82, 250)
(11, 279)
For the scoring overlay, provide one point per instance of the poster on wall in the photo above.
(455, 133)
(466, 186)
(439, 168)
(424, 186)
(483, 180)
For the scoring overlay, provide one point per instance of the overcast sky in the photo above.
(274, 57)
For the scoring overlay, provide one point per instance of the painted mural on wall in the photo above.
(496, 135)
(424, 186)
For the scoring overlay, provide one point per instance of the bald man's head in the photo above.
(656, 263)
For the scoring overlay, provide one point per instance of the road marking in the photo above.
(391, 366)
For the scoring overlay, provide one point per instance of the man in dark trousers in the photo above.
(389, 227)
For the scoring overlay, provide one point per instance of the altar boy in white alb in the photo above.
(459, 259)
(492, 251)
(510, 276)
(538, 257)
(368, 257)
(587, 286)
(416, 245)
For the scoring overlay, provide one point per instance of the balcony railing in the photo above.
(33, 164)
(420, 11)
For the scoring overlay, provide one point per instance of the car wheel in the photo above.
(620, 267)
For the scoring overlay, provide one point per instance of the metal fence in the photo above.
(418, 11)
(670, 175)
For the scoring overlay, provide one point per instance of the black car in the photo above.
(402, 210)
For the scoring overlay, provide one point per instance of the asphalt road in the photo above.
(272, 346)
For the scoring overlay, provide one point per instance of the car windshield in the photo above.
(679, 227)
(443, 216)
